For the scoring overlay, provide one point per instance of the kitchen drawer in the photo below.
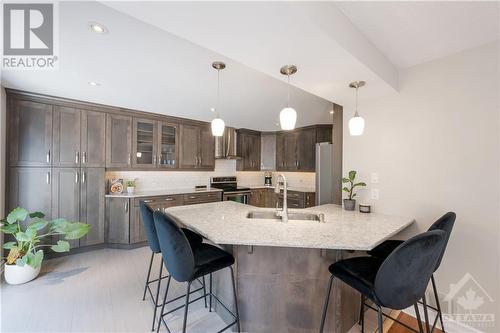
(164, 201)
(196, 198)
(292, 203)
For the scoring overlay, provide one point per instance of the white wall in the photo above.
(435, 146)
(3, 108)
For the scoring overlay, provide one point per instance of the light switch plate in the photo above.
(374, 178)
(375, 193)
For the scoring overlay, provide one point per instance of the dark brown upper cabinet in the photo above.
(248, 148)
(197, 147)
(118, 141)
(30, 133)
(296, 150)
(93, 143)
(144, 143)
(66, 127)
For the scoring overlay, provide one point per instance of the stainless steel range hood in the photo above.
(225, 146)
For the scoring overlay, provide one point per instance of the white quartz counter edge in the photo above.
(289, 188)
(159, 193)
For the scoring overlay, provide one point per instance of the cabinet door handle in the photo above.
(126, 206)
(154, 159)
(77, 157)
(83, 177)
(48, 156)
(76, 177)
(159, 159)
(84, 157)
(169, 199)
(47, 179)
(129, 159)
(148, 201)
(192, 197)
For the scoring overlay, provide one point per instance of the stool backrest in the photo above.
(403, 276)
(175, 248)
(444, 223)
(149, 226)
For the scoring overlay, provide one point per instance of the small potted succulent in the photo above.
(350, 202)
(130, 185)
(29, 233)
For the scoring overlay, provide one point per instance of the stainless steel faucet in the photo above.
(283, 212)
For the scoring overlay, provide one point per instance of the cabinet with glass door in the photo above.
(168, 140)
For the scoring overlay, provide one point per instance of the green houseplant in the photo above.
(130, 185)
(30, 232)
(350, 202)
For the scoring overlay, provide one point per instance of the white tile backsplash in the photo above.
(160, 180)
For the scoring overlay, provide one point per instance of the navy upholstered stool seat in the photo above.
(147, 220)
(444, 223)
(396, 282)
(187, 262)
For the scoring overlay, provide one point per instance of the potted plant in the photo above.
(28, 230)
(130, 185)
(350, 203)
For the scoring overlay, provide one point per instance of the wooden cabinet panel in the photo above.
(92, 204)
(190, 138)
(290, 151)
(118, 141)
(144, 143)
(31, 189)
(168, 145)
(93, 143)
(268, 151)
(206, 197)
(306, 150)
(207, 148)
(66, 197)
(118, 220)
(324, 133)
(30, 133)
(248, 146)
(66, 137)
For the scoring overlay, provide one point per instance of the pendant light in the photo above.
(217, 123)
(288, 116)
(356, 123)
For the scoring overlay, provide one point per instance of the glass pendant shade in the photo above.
(288, 118)
(356, 125)
(218, 127)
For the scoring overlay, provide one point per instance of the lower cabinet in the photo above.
(263, 197)
(297, 199)
(123, 215)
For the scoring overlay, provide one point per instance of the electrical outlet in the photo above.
(375, 193)
(374, 178)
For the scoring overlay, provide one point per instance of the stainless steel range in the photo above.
(230, 188)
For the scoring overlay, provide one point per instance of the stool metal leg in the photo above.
(210, 294)
(361, 308)
(362, 313)
(325, 307)
(419, 321)
(204, 291)
(235, 300)
(157, 296)
(149, 273)
(426, 315)
(438, 305)
(186, 308)
(163, 306)
(380, 321)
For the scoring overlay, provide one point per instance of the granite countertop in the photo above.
(158, 193)
(226, 223)
(289, 188)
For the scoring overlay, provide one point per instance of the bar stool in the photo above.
(154, 245)
(397, 282)
(186, 263)
(444, 223)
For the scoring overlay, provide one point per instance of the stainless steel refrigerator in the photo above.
(324, 173)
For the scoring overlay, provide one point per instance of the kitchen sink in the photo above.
(267, 215)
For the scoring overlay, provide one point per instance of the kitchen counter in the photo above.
(289, 188)
(226, 223)
(158, 193)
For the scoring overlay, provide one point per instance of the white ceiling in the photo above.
(414, 32)
(142, 67)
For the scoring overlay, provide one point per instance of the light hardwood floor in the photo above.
(97, 291)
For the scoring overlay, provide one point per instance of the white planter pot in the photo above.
(17, 275)
(130, 189)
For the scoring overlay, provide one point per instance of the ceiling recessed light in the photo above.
(94, 84)
(97, 28)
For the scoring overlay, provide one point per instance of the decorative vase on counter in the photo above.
(15, 274)
(130, 189)
(349, 204)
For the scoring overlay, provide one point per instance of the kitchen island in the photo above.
(282, 268)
